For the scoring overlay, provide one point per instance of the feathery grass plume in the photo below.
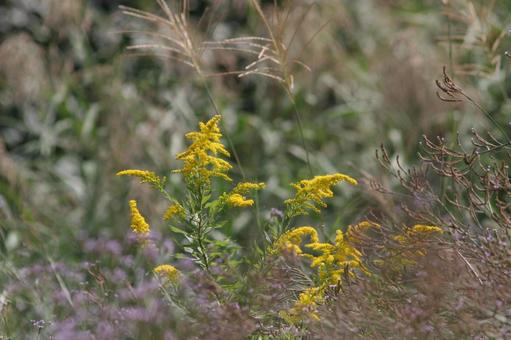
(174, 210)
(272, 56)
(144, 175)
(180, 44)
(138, 223)
(200, 159)
(167, 271)
(311, 192)
(272, 53)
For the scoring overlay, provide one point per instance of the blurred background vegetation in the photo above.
(75, 107)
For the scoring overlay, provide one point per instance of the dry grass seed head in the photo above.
(179, 42)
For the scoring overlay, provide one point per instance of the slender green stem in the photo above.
(200, 232)
(490, 117)
(452, 120)
(217, 111)
(300, 129)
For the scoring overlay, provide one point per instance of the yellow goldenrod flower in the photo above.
(168, 271)
(336, 258)
(175, 209)
(200, 159)
(144, 175)
(244, 187)
(355, 233)
(401, 239)
(305, 306)
(412, 244)
(335, 261)
(290, 241)
(425, 229)
(310, 193)
(138, 223)
(417, 232)
(236, 200)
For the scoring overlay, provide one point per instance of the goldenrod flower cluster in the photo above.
(412, 244)
(290, 241)
(138, 223)
(311, 192)
(421, 229)
(333, 262)
(168, 271)
(236, 199)
(416, 233)
(144, 175)
(201, 161)
(356, 232)
(306, 305)
(336, 259)
(173, 210)
(244, 187)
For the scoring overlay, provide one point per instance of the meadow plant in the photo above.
(194, 218)
(197, 214)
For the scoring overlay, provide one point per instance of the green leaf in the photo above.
(178, 230)
(205, 199)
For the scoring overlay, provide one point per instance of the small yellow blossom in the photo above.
(425, 229)
(138, 223)
(311, 192)
(244, 187)
(413, 244)
(336, 258)
(290, 241)
(144, 175)
(334, 261)
(200, 159)
(417, 232)
(305, 306)
(401, 239)
(175, 209)
(355, 232)
(236, 200)
(168, 271)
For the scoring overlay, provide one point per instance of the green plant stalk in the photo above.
(200, 235)
(300, 128)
